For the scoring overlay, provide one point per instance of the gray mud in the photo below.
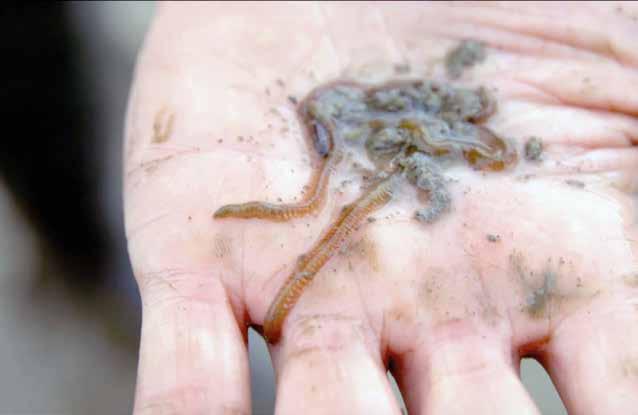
(467, 54)
(533, 149)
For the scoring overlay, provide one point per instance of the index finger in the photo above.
(193, 352)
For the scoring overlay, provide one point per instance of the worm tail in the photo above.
(282, 212)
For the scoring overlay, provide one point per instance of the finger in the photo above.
(330, 363)
(193, 357)
(463, 373)
(332, 372)
(593, 360)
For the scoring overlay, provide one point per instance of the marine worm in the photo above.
(309, 264)
(500, 156)
(282, 212)
(485, 152)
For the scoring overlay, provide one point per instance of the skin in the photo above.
(452, 311)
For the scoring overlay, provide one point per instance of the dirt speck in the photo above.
(493, 238)
(533, 149)
(467, 54)
(575, 183)
(292, 100)
(162, 126)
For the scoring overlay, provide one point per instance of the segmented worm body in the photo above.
(316, 195)
(333, 240)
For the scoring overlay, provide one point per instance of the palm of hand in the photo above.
(451, 306)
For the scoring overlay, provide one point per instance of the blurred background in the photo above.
(69, 307)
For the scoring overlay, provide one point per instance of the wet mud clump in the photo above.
(467, 54)
(533, 149)
(421, 171)
(493, 238)
(410, 132)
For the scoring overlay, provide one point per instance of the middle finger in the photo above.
(331, 363)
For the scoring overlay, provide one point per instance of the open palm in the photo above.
(536, 261)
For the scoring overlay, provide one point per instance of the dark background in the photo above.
(69, 307)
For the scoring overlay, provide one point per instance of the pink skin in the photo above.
(453, 311)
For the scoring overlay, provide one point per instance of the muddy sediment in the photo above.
(467, 54)
(533, 149)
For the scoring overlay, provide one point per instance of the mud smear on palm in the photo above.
(467, 54)
(533, 149)
(408, 132)
(538, 286)
(552, 288)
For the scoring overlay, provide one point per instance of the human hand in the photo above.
(449, 310)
